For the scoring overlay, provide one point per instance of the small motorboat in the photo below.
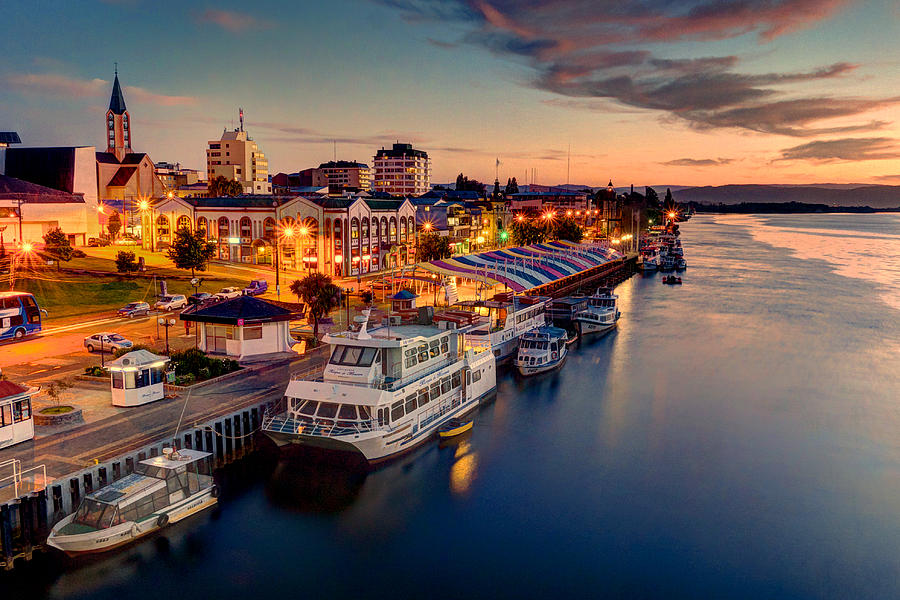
(671, 280)
(680, 264)
(455, 426)
(542, 349)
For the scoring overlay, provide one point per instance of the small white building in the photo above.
(16, 421)
(137, 378)
(243, 328)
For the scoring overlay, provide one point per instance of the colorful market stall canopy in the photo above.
(525, 267)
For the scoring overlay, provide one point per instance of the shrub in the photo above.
(126, 262)
(96, 371)
(186, 379)
(122, 351)
(197, 364)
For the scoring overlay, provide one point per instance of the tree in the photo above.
(221, 186)
(320, 295)
(652, 197)
(512, 187)
(56, 244)
(669, 202)
(367, 297)
(190, 250)
(566, 229)
(432, 246)
(125, 262)
(55, 388)
(463, 183)
(525, 233)
(114, 224)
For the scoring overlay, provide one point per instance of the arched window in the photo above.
(354, 231)
(246, 228)
(384, 230)
(411, 228)
(269, 229)
(365, 230)
(184, 222)
(162, 228)
(203, 225)
(224, 233)
(375, 235)
(402, 229)
(288, 224)
(393, 231)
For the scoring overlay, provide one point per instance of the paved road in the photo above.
(75, 449)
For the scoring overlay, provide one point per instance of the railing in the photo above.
(19, 483)
(282, 423)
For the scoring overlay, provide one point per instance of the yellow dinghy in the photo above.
(455, 427)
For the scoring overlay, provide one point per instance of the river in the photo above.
(737, 436)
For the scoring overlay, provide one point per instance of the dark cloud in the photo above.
(887, 178)
(589, 49)
(848, 149)
(698, 162)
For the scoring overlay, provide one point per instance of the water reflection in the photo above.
(464, 468)
(302, 483)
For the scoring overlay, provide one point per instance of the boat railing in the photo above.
(319, 427)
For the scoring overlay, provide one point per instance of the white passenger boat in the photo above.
(649, 263)
(163, 490)
(602, 313)
(503, 320)
(542, 349)
(667, 264)
(386, 390)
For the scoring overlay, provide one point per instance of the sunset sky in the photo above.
(653, 92)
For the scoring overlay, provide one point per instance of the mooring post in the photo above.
(6, 535)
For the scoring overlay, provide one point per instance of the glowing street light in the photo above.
(303, 231)
(143, 205)
(427, 226)
(27, 247)
(520, 218)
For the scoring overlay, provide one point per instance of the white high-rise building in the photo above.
(236, 156)
(402, 171)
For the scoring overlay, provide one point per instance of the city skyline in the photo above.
(707, 94)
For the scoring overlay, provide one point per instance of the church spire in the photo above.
(117, 100)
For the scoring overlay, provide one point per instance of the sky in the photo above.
(679, 92)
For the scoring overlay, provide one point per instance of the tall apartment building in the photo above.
(345, 174)
(402, 171)
(236, 156)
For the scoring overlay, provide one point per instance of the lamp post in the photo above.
(144, 206)
(288, 232)
(166, 323)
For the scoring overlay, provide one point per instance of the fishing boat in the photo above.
(602, 313)
(162, 490)
(542, 349)
(503, 320)
(385, 391)
(455, 427)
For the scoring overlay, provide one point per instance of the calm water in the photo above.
(738, 436)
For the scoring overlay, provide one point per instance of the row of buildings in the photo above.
(342, 218)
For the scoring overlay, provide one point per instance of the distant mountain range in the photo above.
(876, 196)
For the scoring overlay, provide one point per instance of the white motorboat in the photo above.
(648, 263)
(386, 390)
(602, 313)
(503, 320)
(542, 349)
(162, 490)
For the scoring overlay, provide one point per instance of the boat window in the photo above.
(423, 397)
(445, 345)
(435, 391)
(423, 353)
(445, 385)
(91, 513)
(160, 499)
(364, 413)
(455, 379)
(553, 346)
(410, 403)
(309, 408)
(435, 348)
(347, 412)
(353, 356)
(327, 410)
(151, 471)
(397, 410)
(476, 376)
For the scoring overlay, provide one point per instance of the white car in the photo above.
(106, 342)
(229, 293)
(173, 302)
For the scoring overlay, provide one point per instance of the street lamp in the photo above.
(287, 232)
(166, 323)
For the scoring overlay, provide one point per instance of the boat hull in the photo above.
(529, 370)
(105, 540)
(586, 327)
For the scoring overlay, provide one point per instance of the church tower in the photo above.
(118, 125)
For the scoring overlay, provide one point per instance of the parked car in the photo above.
(106, 342)
(134, 309)
(97, 242)
(128, 240)
(256, 287)
(172, 302)
(229, 293)
(199, 298)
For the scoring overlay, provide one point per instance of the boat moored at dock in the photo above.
(542, 349)
(162, 490)
(385, 391)
(602, 313)
(503, 320)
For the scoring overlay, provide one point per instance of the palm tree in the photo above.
(320, 295)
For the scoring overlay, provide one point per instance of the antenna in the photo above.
(117, 68)
(241, 115)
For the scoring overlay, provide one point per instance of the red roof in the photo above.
(8, 388)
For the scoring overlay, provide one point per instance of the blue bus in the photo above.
(20, 315)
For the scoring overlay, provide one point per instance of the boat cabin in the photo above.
(542, 345)
(157, 484)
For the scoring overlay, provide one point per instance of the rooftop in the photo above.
(9, 389)
(246, 309)
(9, 137)
(32, 193)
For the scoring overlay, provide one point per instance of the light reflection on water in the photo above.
(736, 436)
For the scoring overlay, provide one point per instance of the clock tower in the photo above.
(118, 123)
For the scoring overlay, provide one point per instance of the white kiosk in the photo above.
(137, 378)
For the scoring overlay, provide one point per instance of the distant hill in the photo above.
(876, 196)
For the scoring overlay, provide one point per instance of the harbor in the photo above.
(648, 438)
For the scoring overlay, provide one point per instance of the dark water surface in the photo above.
(736, 437)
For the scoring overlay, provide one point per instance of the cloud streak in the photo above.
(844, 150)
(232, 20)
(590, 50)
(698, 162)
(52, 84)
